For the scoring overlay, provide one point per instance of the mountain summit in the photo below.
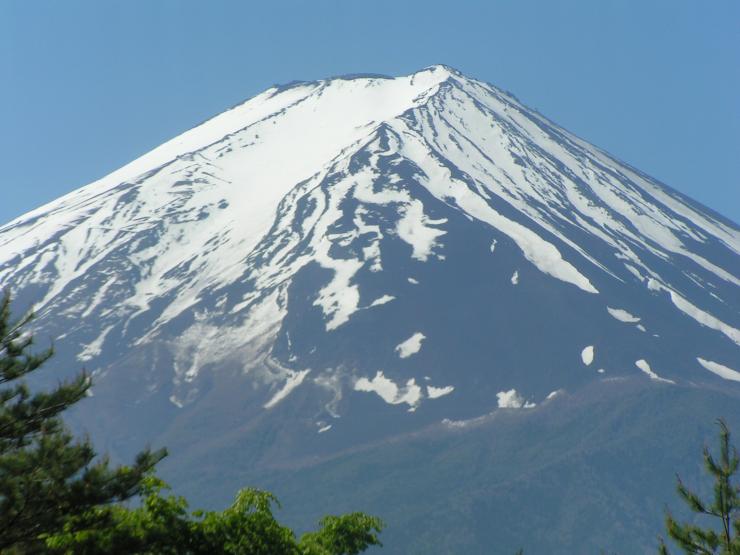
(334, 265)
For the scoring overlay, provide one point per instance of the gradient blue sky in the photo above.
(88, 85)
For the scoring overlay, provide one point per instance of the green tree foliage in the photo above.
(347, 535)
(57, 497)
(45, 474)
(723, 539)
(164, 525)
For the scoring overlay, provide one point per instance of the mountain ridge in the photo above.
(405, 129)
(334, 264)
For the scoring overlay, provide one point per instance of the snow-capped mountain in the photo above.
(363, 256)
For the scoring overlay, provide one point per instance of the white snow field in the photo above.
(211, 228)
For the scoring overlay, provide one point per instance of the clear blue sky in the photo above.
(86, 86)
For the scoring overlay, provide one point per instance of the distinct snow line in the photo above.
(354, 103)
(623, 315)
(643, 365)
(294, 380)
(720, 369)
(411, 346)
(195, 139)
(587, 355)
(512, 400)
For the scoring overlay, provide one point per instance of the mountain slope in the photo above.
(331, 264)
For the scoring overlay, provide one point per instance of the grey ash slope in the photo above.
(332, 264)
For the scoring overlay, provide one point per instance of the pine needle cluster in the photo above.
(723, 539)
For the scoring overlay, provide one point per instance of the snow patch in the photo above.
(653, 284)
(203, 343)
(95, 347)
(382, 300)
(437, 392)
(411, 346)
(720, 369)
(622, 315)
(332, 382)
(387, 390)
(643, 365)
(704, 318)
(414, 228)
(512, 400)
(587, 355)
(339, 299)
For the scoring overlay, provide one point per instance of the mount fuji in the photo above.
(413, 296)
